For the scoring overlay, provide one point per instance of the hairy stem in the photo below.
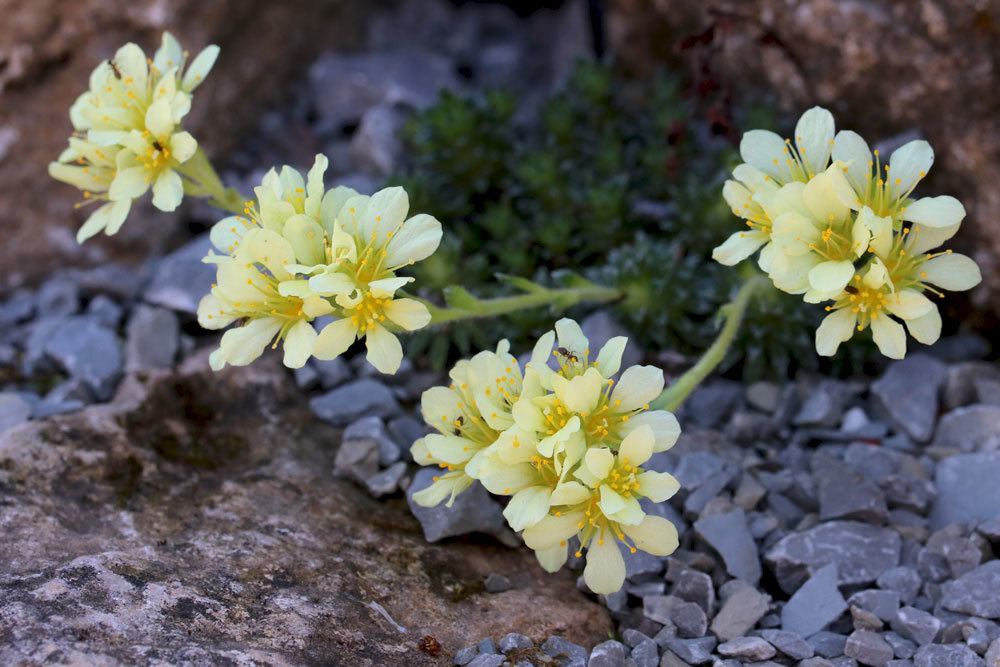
(564, 297)
(674, 395)
(203, 181)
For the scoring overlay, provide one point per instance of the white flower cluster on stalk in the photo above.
(127, 135)
(301, 252)
(838, 226)
(566, 443)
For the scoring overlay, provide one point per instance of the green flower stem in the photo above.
(468, 307)
(674, 395)
(203, 181)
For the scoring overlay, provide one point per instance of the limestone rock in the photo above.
(195, 520)
(861, 553)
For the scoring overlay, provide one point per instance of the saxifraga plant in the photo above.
(621, 178)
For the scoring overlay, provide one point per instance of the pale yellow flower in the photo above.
(92, 169)
(769, 163)
(256, 289)
(128, 135)
(894, 283)
(151, 157)
(372, 240)
(603, 510)
(466, 417)
(581, 395)
(817, 238)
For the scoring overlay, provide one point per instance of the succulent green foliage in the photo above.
(618, 180)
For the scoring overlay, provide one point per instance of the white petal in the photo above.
(599, 461)
(926, 329)
(853, 151)
(570, 337)
(306, 237)
(611, 502)
(908, 304)
(890, 337)
(416, 240)
(242, 345)
(384, 350)
(581, 393)
(765, 151)
(527, 507)
(921, 238)
(908, 164)
(605, 570)
(389, 285)
(823, 199)
(183, 146)
(637, 446)
(754, 179)
(334, 339)
(782, 200)
(836, 328)
(553, 559)
(543, 349)
(439, 407)
(657, 486)
(299, 344)
(332, 202)
(738, 247)
(168, 190)
(609, 359)
(952, 271)
(880, 230)
(570, 493)
(169, 55)
(451, 449)
(385, 212)
(655, 535)
(814, 139)
(314, 187)
(131, 62)
(943, 211)
(638, 386)
(128, 184)
(270, 249)
(199, 68)
(211, 314)
(227, 233)
(160, 119)
(332, 283)
(666, 428)
(552, 530)
(830, 278)
(116, 218)
(408, 313)
(292, 183)
(95, 223)
(738, 198)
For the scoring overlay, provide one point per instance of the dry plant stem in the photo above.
(562, 297)
(674, 395)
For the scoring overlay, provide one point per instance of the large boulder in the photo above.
(196, 519)
(48, 49)
(883, 67)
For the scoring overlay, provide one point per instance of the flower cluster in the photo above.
(565, 441)
(127, 132)
(836, 225)
(300, 252)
